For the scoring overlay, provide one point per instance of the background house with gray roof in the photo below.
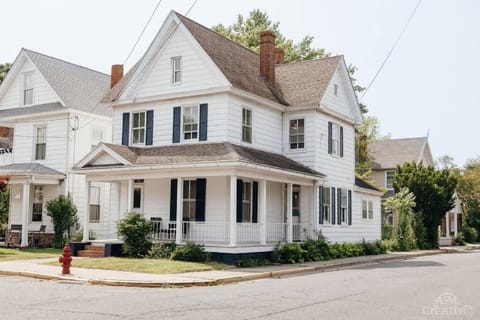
(50, 109)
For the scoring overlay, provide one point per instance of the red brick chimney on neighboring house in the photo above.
(4, 132)
(117, 74)
(279, 54)
(267, 52)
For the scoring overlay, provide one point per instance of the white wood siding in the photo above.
(42, 91)
(266, 125)
(198, 72)
(163, 118)
(344, 102)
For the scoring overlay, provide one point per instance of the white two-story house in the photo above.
(236, 150)
(51, 110)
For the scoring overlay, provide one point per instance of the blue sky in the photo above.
(429, 84)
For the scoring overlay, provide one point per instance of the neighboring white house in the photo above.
(52, 108)
(223, 146)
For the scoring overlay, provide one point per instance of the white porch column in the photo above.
(447, 224)
(289, 213)
(233, 211)
(86, 218)
(262, 212)
(25, 211)
(129, 195)
(455, 224)
(179, 227)
(316, 212)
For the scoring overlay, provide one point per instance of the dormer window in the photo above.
(138, 128)
(176, 70)
(27, 88)
(335, 90)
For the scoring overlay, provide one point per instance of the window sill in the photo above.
(302, 150)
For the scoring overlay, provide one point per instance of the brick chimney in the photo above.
(267, 50)
(117, 74)
(278, 54)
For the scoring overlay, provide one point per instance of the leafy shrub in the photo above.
(470, 234)
(289, 253)
(190, 252)
(135, 228)
(252, 262)
(316, 250)
(63, 212)
(387, 229)
(460, 239)
(162, 250)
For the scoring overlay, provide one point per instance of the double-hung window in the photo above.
(40, 143)
(138, 128)
(344, 206)
(247, 202)
(247, 125)
(296, 201)
(27, 88)
(389, 175)
(190, 123)
(335, 139)
(326, 209)
(176, 63)
(37, 207)
(367, 209)
(189, 199)
(370, 209)
(297, 134)
(94, 204)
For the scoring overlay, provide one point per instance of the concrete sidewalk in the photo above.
(36, 269)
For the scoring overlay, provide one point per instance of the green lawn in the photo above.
(7, 254)
(156, 266)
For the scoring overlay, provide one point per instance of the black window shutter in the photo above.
(341, 142)
(149, 132)
(176, 124)
(320, 205)
(329, 137)
(334, 212)
(200, 201)
(339, 205)
(255, 202)
(203, 122)
(350, 207)
(239, 199)
(173, 199)
(125, 128)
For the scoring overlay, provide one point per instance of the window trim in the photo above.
(386, 179)
(174, 70)
(249, 201)
(40, 187)
(335, 89)
(140, 186)
(298, 149)
(182, 124)
(368, 205)
(35, 142)
(336, 142)
(191, 200)
(343, 207)
(132, 113)
(247, 126)
(326, 205)
(91, 203)
(23, 88)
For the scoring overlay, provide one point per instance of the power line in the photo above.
(143, 31)
(392, 49)
(191, 7)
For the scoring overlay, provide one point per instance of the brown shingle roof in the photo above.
(299, 83)
(364, 184)
(388, 153)
(207, 152)
(304, 83)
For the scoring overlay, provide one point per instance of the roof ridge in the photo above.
(306, 61)
(396, 139)
(213, 31)
(64, 61)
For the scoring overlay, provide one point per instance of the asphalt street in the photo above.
(443, 286)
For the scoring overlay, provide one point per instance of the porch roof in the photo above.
(35, 169)
(205, 152)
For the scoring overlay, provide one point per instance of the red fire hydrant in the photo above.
(66, 259)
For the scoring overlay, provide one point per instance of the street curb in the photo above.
(227, 280)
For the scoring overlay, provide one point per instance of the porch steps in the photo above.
(92, 251)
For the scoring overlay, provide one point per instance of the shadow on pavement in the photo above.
(403, 264)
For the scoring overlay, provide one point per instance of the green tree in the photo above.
(401, 206)
(433, 190)
(468, 191)
(246, 31)
(4, 68)
(63, 212)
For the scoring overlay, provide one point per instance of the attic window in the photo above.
(28, 88)
(176, 70)
(335, 90)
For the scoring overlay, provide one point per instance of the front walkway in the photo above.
(36, 269)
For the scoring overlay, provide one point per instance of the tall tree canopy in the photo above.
(4, 68)
(433, 190)
(246, 31)
(469, 192)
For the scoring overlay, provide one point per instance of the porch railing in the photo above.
(206, 232)
(302, 231)
(248, 232)
(276, 232)
(103, 230)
